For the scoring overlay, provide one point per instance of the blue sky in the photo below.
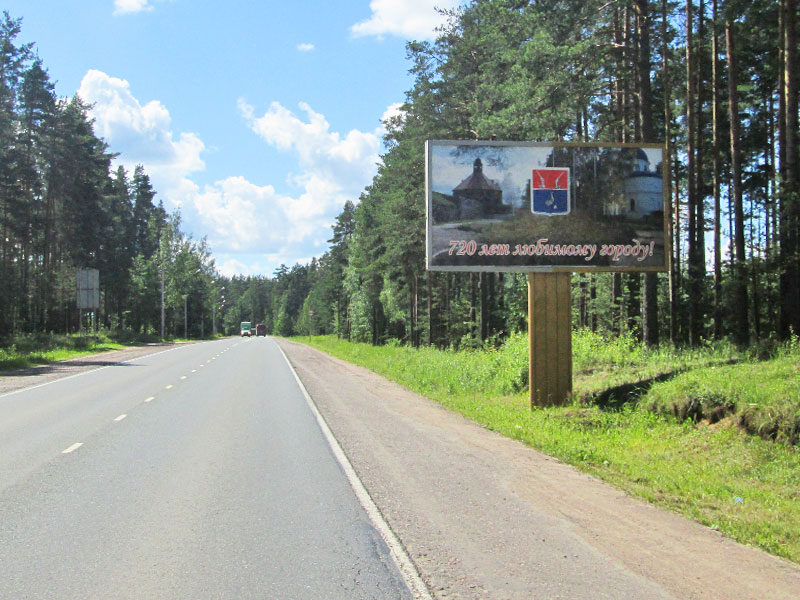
(257, 119)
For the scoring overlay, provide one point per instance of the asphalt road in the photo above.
(205, 471)
(197, 472)
(485, 517)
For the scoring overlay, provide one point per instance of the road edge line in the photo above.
(398, 553)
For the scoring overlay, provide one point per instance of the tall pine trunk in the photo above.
(674, 220)
(718, 329)
(695, 289)
(742, 332)
(648, 134)
(790, 193)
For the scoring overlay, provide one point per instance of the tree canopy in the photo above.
(714, 81)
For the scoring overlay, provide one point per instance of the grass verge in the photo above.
(761, 397)
(25, 351)
(717, 474)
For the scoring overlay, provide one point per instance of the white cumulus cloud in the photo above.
(335, 167)
(122, 7)
(230, 267)
(141, 133)
(393, 117)
(244, 217)
(305, 47)
(318, 148)
(247, 225)
(411, 19)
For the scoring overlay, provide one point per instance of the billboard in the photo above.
(529, 206)
(88, 284)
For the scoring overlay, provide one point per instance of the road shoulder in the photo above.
(483, 516)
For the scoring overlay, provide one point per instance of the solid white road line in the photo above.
(72, 448)
(401, 558)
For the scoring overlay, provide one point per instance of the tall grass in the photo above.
(602, 362)
(762, 397)
(493, 372)
(593, 350)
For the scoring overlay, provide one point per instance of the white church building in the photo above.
(643, 191)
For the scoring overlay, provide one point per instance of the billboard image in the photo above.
(524, 206)
(550, 191)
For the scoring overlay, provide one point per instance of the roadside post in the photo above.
(548, 209)
(549, 338)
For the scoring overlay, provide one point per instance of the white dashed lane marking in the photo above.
(77, 445)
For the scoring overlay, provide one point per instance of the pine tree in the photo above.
(742, 329)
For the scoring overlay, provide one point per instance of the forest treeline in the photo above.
(714, 81)
(63, 207)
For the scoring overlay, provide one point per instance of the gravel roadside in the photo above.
(483, 516)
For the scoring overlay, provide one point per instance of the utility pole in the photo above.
(161, 263)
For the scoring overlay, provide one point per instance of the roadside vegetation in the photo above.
(28, 350)
(646, 420)
(22, 351)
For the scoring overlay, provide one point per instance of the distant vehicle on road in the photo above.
(261, 329)
(247, 328)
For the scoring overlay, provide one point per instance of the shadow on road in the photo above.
(63, 366)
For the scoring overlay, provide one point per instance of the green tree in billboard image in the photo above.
(529, 207)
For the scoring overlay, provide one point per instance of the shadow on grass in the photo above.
(616, 397)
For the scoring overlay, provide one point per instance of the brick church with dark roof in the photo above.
(478, 196)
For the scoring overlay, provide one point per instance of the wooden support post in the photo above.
(549, 338)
